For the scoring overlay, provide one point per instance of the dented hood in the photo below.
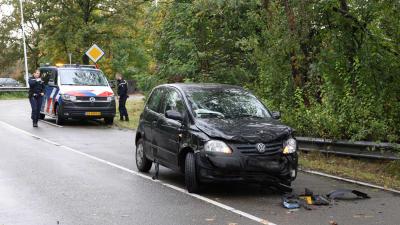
(244, 130)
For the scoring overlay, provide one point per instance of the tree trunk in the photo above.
(297, 77)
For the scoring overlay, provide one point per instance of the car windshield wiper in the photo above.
(211, 115)
(249, 116)
(209, 112)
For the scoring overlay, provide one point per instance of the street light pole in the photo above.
(70, 58)
(23, 39)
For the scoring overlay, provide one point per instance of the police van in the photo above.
(78, 92)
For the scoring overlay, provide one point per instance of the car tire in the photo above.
(191, 181)
(42, 116)
(287, 183)
(109, 120)
(59, 119)
(142, 162)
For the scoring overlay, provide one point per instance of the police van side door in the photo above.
(51, 90)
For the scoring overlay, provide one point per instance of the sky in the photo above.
(5, 10)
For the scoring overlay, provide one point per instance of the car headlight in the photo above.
(217, 146)
(290, 146)
(68, 97)
(110, 98)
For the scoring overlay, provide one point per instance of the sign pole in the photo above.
(70, 58)
(24, 43)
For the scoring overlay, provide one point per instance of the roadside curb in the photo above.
(350, 180)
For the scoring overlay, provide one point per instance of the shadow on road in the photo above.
(82, 122)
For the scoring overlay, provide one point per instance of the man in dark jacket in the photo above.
(36, 92)
(122, 96)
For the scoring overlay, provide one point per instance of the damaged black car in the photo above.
(215, 132)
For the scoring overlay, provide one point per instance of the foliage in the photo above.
(56, 28)
(331, 67)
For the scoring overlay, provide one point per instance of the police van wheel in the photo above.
(42, 116)
(109, 120)
(59, 119)
(142, 162)
(191, 180)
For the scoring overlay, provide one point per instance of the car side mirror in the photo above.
(174, 115)
(112, 83)
(276, 115)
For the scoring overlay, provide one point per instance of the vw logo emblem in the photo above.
(92, 99)
(260, 147)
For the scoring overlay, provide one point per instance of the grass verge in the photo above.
(379, 172)
(13, 95)
(135, 108)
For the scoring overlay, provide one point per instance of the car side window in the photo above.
(174, 101)
(155, 100)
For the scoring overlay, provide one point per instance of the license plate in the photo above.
(93, 113)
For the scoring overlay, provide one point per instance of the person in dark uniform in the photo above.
(122, 97)
(36, 92)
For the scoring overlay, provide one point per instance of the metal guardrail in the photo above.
(14, 89)
(361, 149)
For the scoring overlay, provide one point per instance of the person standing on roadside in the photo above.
(122, 97)
(36, 92)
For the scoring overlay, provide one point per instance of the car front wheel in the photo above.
(191, 181)
(142, 162)
(59, 119)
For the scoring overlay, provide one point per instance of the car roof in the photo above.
(6, 79)
(201, 86)
(69, 67)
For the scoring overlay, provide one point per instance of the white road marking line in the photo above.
(202, 198)
(50, 123)
(350, 181)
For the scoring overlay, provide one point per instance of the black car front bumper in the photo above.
(275, 168)
(82, 109)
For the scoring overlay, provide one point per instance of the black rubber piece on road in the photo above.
(191, 181)
(145, 166)
(109, 120)
(283, 188)
(59, 119)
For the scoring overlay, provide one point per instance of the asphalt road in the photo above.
(84, 173)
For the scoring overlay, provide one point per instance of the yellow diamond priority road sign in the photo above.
(95, 53)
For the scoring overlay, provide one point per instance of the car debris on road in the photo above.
(306, 200)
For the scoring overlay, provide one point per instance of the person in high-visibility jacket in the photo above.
(36, 92)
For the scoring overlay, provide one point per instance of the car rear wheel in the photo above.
(191, 181)
(59, 119)
(109, 120)
(142, 162)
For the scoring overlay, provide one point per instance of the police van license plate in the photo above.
(93, 113)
